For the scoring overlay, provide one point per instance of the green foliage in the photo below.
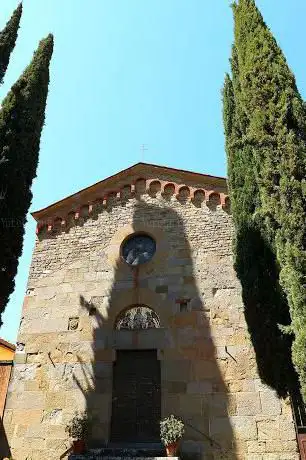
(8, 37)
(79, 426)
(171, 430)
(21, 121)
(265, 128)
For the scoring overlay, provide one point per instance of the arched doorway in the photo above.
(136, 398)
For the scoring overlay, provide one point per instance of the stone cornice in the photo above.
(130, 183)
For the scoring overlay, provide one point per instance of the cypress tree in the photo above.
(8, 37)
(265, 128)
(21, 122)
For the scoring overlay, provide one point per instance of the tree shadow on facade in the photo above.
(192, 386)
(266, 309)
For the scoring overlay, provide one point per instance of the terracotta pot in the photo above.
(171, 449)
(78, 446)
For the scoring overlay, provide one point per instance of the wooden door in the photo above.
(136, 404)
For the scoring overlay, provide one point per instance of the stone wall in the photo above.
(67, 342)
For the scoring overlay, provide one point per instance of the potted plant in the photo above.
(171, 431)
(78, 430)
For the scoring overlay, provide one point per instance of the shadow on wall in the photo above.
(266, 308)
(4, 446)
(191, 384)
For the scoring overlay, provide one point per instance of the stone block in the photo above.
(190, 405)
(287, 430)
(202, 370)
(176, 370)
(185, 336)
(260, 386)
(161, 289)
(7, 417)
(55, 400)
(41, 326)
(47, 292)
(31, 417)
(240, 338)
(281, 446)
(197, 427)
(76, 399)
(221, 404)
(256, 447)
(175, 387)
(55, 432)
(152, 339)
(268, 430)
(66, 288)
(202, 351)
(100, 404)
(245, 385)
(53, 417)
(122, 340)
(103, 370)
(248, 404)
(197, 304)
(104, 355)
(90, 276)
(203, 387)
(270, 403)
(100, 433)
(170, 404)
(280, 456)
(26, 400)
(185, 319)
(35, 430)
(57, 445)
(244, 427)
(244, 367)
(221, 428)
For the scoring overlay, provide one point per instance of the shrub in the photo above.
(78, 426)
(171, 430)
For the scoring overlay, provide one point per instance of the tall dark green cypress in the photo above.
(21, 121)
(8, 37)
(265, 127)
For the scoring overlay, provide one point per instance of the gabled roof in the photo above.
(125, 177)
(7, 344)
(133, 182)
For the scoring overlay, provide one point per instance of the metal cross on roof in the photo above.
(143, 148)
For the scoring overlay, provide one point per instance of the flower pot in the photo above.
(78, 446)
(171, 449)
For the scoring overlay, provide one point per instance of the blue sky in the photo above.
(128, 72)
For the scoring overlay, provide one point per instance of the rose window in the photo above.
(138, 249)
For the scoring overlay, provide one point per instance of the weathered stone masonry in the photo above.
(78, 285)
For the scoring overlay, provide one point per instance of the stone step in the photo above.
(148, 451)
(91, 456)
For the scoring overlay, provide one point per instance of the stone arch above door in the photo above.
(137, 317)
(121, 301)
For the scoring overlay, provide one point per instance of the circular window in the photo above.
(138, 249)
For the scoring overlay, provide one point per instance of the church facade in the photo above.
(133, 312)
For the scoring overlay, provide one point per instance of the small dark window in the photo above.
(184, 306)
